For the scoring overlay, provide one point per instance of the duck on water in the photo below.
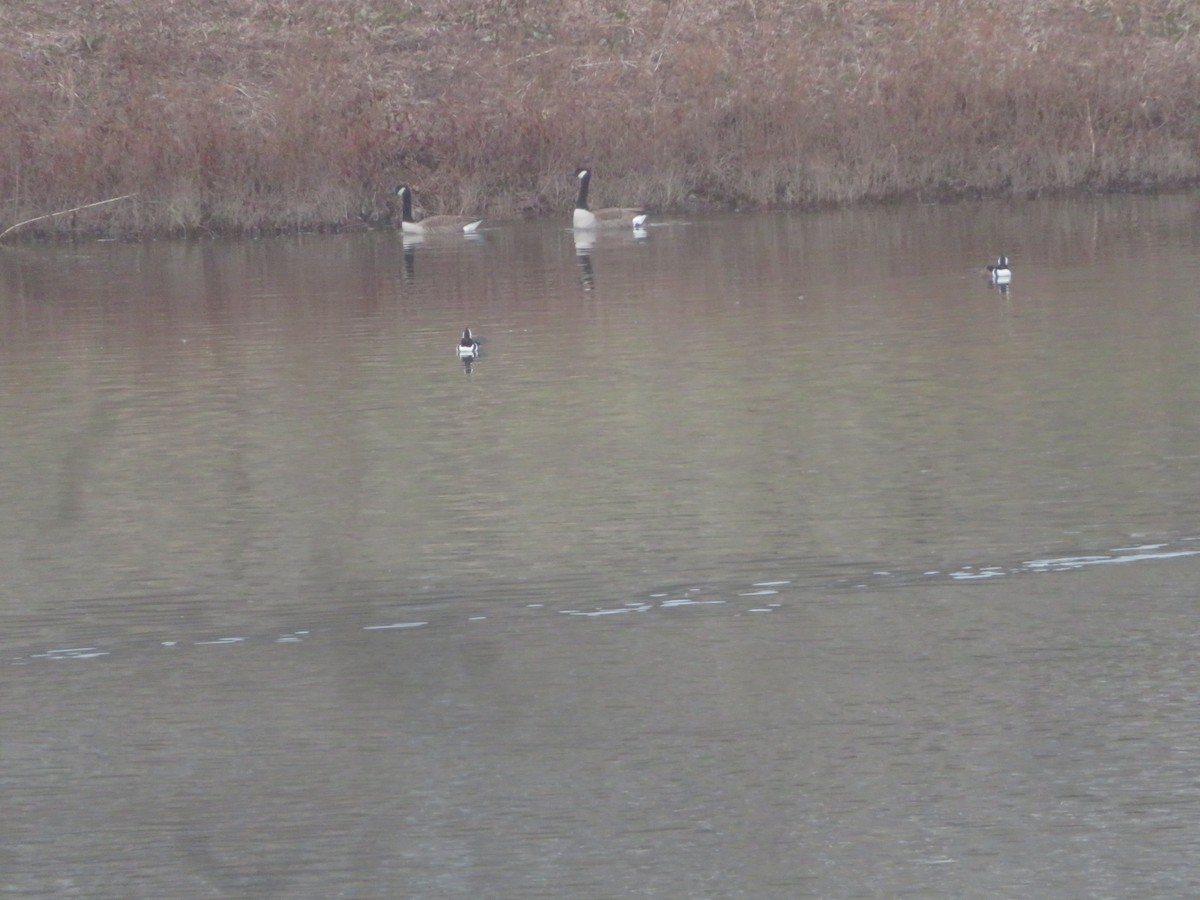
(1000, 272)
(468, 345)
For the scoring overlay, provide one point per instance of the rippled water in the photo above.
(771, 555)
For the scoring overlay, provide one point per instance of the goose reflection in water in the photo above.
(410, 256)
(412, 241)
(585, 243)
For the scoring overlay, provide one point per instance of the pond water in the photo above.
(769, 556)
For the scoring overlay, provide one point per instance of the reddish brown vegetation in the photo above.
(269, 114)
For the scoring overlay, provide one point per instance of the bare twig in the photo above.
(1087, 106)
(5, 232)
(527, 57)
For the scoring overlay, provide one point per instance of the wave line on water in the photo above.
(1146, 553)
(736, 600)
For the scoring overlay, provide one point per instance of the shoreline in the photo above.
(18, 235)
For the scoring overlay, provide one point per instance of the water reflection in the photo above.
(899, 418)
(872, 609)
(410, 243)
(586, 241)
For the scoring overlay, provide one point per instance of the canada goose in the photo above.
(1001, 273)
(602, 218)
(468, 346)
(431, 224)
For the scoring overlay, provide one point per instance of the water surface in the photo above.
(773, 555)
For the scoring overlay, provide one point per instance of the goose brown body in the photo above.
(432, 224)
(611, 217)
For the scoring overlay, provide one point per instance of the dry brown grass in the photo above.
(264, 115)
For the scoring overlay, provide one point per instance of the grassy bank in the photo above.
(258, 115)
